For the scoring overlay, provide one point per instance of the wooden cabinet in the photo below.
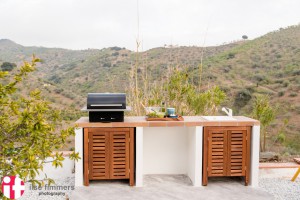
(108, 154)
(226, 152)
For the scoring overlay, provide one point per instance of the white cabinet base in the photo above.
(169, 150)
(79, 163)
(255, 138)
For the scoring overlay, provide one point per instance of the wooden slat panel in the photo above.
(217, 145)
(98, 167)
(236, 152)
(99, 155)
(110, 154)
(119, 164)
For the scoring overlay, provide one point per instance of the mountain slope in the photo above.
(267, 65)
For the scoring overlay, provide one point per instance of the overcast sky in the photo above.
(82, 24)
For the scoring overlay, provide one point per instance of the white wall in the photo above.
(191, 152)
(79, 163)
(60, 172)
(139, 131)
(165, 150)
(255, 138)
(195, 135)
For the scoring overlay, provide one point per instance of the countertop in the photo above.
(140, 121)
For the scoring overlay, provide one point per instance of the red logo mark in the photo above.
(12, 187)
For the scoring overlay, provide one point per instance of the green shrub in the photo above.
(242, 98)
(293, 94)
(69, 95)
(115, 54)
(230, 55)
(265, 112)
(55, 79)
(58, 90)
(227, 69)
(296, 72)
(259, 77)
(255, 66)
(280, 81)
(7, 66)
(106, 64)
(281, 137)
(286, 83)
(116, 48)
(281, 93)
(297, 109)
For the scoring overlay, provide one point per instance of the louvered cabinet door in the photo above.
(237, 152)
(119, 154)
(99, 155)
(217, 152)
(109, 154)
(226, 152)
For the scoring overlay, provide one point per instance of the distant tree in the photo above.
(230, 55)
(264, 112)
(116, 48)
(245, 37)
(7, 66)
(183, 95)
(115, 54)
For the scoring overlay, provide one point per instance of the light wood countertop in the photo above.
(140, 121)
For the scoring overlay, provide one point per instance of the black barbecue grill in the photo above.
(106, 107)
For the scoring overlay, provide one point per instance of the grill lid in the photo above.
(106, 101)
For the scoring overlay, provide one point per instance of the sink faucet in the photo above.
(228, 111)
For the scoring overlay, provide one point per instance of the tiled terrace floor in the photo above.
(170, 187)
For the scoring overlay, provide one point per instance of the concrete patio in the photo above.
(170, 187)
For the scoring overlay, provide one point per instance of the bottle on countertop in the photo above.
(163, 107)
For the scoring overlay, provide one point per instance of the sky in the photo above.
(83, 24)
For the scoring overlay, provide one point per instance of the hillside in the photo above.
(266, 65)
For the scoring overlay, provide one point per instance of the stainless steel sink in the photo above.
(219, 118)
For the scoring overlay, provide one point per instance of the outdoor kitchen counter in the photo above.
(140, 121)
(169, 147)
